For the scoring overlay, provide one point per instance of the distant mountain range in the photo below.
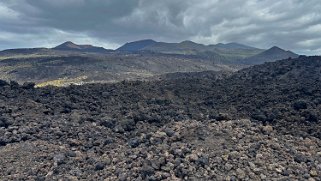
(151, 45)
(230, 53)
(223, 52)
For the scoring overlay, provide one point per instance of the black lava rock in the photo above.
(14, 85)
(108, 123)
(99, 166)
(59, 159)
(169, 132)
(128, 124)
(71, 154)
(300, 105)
(134, 142)
(28, 85)
(4, 122)
(119, 129)
(3, 83)
(300, 158)
(202, 161)
(223, 116)
(147, 170)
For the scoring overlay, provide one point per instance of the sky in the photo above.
(290, 24)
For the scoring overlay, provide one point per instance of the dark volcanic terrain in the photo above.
(97, 68)
(260, 123)
(70, 63)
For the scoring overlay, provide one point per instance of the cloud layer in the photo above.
(290, 24)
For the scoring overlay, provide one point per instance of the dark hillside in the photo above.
(93, 68)
(270, 55)
(136, 46)
(286, 93)
(70, 46)
(276, 93)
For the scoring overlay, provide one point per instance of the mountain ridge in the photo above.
(138, 45)
(149, 43)
(228, 53)
(70, 46)
(233, 45)
(272, 53)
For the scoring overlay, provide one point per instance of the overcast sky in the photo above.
(291, 24)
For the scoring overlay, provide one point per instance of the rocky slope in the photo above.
(261, 123)
(63, 70)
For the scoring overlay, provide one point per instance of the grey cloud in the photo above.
(291, 24)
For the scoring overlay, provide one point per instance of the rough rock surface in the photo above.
(181, 129)
(226, 150)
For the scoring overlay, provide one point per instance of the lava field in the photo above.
(260, 123)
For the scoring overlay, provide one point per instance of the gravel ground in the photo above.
(186, 150)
